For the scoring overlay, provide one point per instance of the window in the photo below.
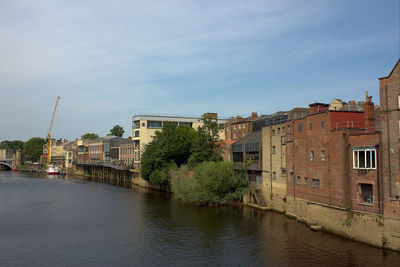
(234, 127)
(398, 98)
(252, 158)
(273, 132)
(311, 155)
(310, 126)
(234, 136)
(154, 124)
(366, 195)
(243, 135)
(305, 181)
(187, 124)
(279, 130)
(135, 124)
(227, 129)
(322, 155)
(244, 126)
(143, 124)
(315, 182)
(298, 180)
(322, 124)
(283, 172)
(137, 134)
(274, 176)
(273, 150)
(364, 158)
(283, 129)
(237, 157)
(240, 126)
(300, 128)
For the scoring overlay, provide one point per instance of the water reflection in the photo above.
(68, 222)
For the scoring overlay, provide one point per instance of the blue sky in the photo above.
(109, 60)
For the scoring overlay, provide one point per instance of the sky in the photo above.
(109, 60)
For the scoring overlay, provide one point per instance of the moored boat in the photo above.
(52, 170)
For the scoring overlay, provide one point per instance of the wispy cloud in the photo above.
(109, 60)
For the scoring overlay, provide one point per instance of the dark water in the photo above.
(69, 222)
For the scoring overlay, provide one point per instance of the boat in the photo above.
(52, 170)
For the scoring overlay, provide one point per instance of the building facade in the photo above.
(239, 127)
(332, 158)
(389, 89)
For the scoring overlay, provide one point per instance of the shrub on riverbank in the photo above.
(213, 183)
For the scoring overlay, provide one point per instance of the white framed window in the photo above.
(240, 126)
(244, 126)
(364, 158)
(311, 155)
(323, 155)
(234, 136)
(398, 100)
(234, 127)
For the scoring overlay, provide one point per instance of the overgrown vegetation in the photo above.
(213, 183)
(176, 150)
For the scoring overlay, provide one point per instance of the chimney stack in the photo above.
(254, 115)
(369, 113)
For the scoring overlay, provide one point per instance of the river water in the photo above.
(70, 222)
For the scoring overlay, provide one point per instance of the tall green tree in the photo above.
(89, 136)
(13, 145)
(117, 131)
(33, 148)
(207, 145)
(170, 147)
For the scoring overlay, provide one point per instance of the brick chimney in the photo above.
(254, 115)
(369, 113)
(238, 118)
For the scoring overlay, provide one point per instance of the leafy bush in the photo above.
(212, 183)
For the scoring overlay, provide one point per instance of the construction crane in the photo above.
(49, 132)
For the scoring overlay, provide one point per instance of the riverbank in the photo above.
(367, 228)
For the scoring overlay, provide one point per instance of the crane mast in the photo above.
(49, 132)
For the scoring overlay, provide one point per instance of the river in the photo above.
(70, 222)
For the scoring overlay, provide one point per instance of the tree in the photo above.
(13, 145)
(33, 148)
(89, 136)
(207, 144)
(117, 131)
(169, 149)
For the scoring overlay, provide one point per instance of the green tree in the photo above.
(13, 145)
(89, 136)
(207, 145)
(33, 148)
(117, 131)
(170, 148)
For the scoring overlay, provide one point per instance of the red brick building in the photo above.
(321, 154)
(389, 89)
(238, 128)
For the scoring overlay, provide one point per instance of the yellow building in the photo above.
(145, 126)
(274, 165)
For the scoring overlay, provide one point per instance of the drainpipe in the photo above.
(346, 171)
(270, 159)
(378, 180)
(388, 138)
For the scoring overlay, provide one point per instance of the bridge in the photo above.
(7, 164)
